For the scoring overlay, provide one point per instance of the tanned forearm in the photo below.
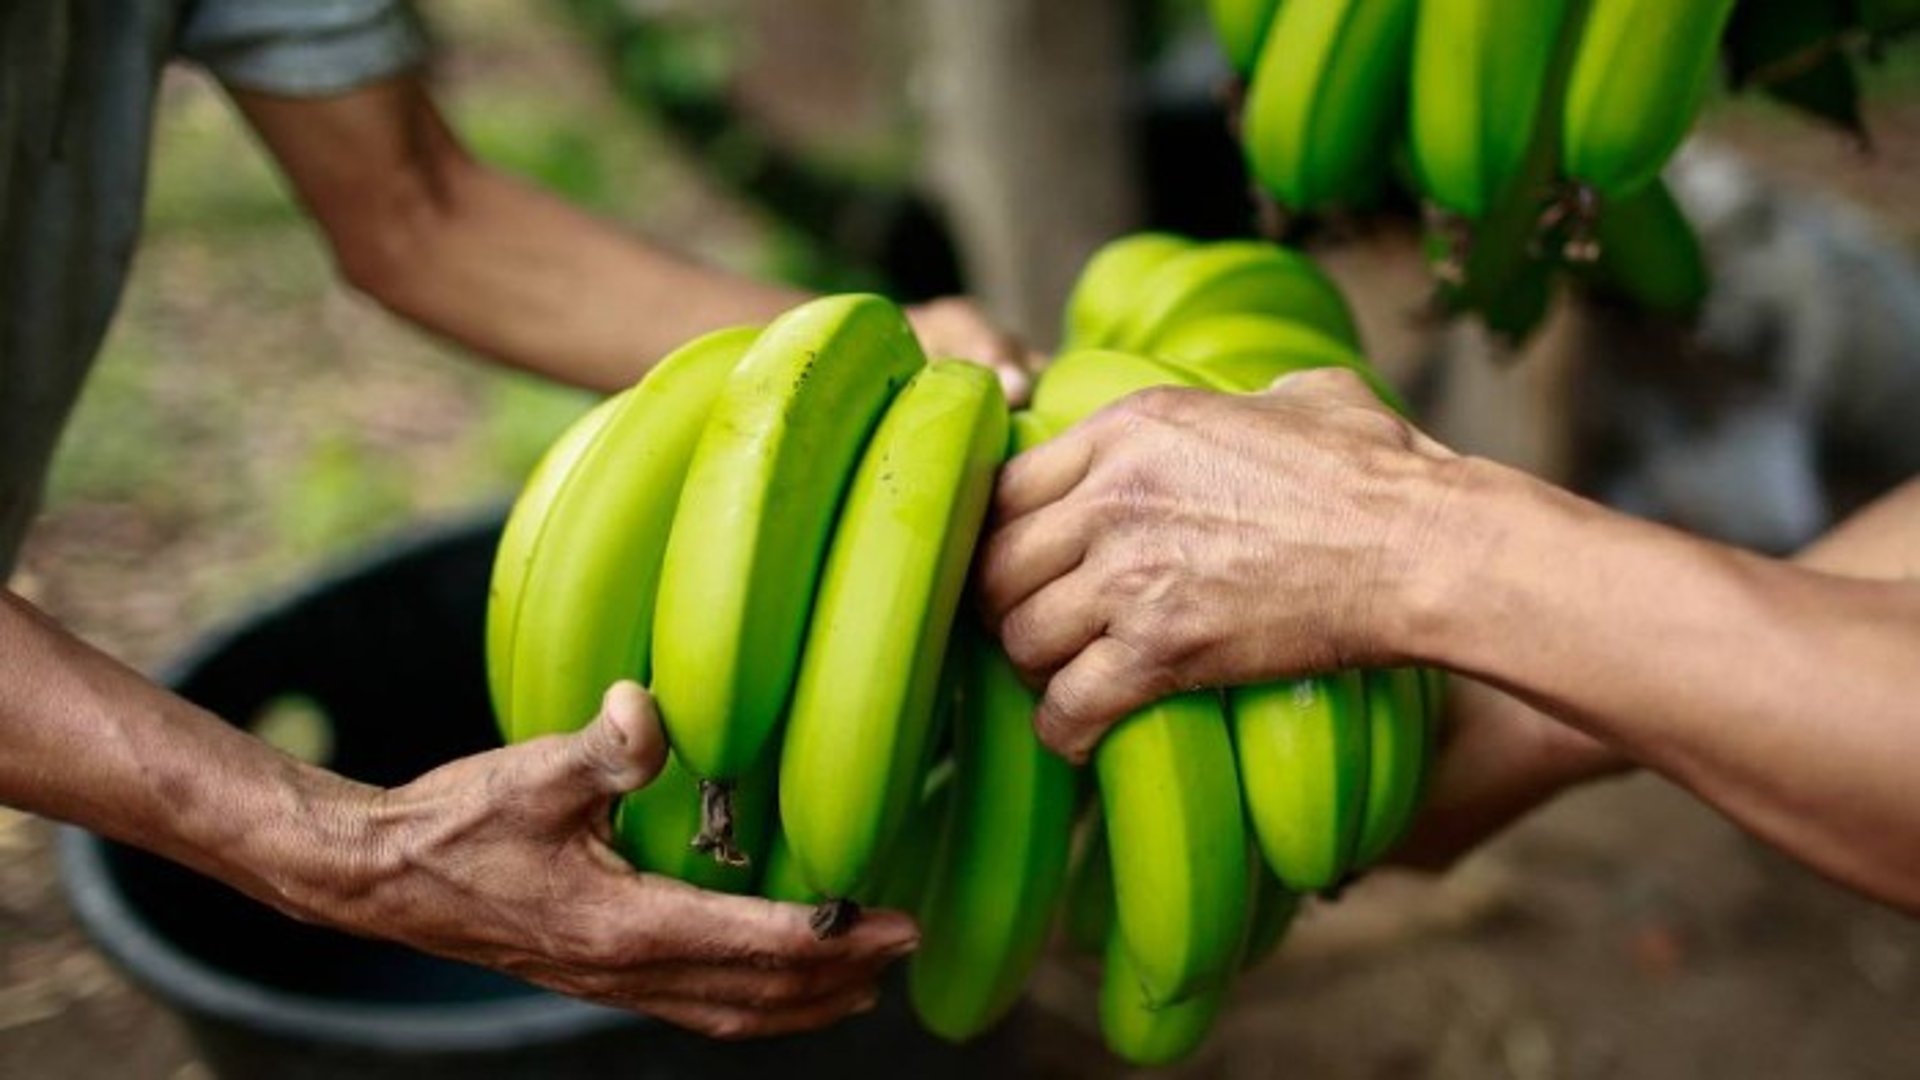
(84, 739)
(482, 258)
(1782, 694)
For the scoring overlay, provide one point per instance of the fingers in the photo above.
(1016, 374)
(624, 748)
(1103, 684)
(1042, 476)
(1023, 556)
(688, 925)
(1050, 627)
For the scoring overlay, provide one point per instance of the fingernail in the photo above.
(866, 1004)
(902, 948)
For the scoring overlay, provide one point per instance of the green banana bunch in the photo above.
(1639, 76)
(1241, 26)
(1108, 286)
(1246, 353)
(593, 526)
(653, 827)
(1480, 71)
(751, 529)
(1650, 254)
(862, 718)
(1318, 123)
(1305, 756)
(1230, 277)
(1401, 740)
(1002, 862)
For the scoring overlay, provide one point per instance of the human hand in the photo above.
(955, 326)
(1183, 539)
(504, 859)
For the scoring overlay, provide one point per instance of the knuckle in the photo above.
(1157, 403)
(1330, 379)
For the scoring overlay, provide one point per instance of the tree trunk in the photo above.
(1029, 142)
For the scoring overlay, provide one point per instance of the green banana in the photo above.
(1246, 353)
(863, 706)
(781, 879)
(900, 882)
(1639, 76)
(1401, 744)
(1109, 286)
(1002, 861)
(583, 613)
(1241, 26)
(653, 827)
(1079, 384)
(751, 529)
(1480, 72)
(1650, 254)
(1318, 124)
(1176, 836)
(1304, 754)
(1233, 277)
(519, 540)
(1144, 1033)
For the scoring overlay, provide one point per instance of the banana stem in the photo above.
(715, 837)
(1579, 211)
(831, 918)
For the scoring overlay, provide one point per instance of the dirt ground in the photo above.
(1625, 932)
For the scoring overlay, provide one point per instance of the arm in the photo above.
(1781, 694)
(502, 859)
(1503, 757)
(509, 271)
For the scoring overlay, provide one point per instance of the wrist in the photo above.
(304, 843)
(1473, 535)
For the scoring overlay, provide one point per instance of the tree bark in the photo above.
(1030, 143)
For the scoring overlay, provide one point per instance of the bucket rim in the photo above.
(195, 987)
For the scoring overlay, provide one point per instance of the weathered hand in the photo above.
(955, 326)
(1183, 539)
(503, 859)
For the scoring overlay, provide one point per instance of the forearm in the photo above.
(520, 276)
(84, 739)
(1780, 694)
(486, 260)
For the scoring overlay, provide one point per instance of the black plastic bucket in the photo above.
(391, 651)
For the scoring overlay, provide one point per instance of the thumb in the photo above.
(623, 749)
